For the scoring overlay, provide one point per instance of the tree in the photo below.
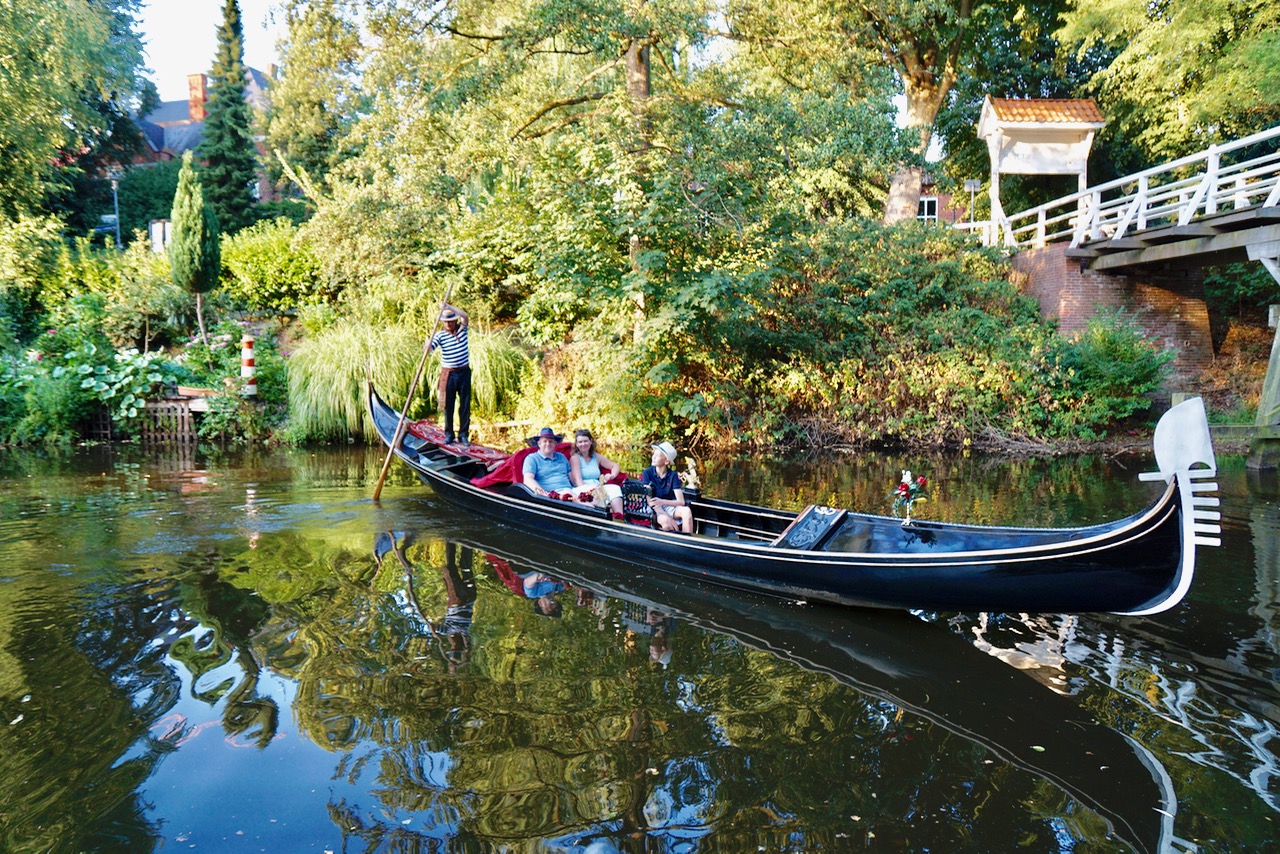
(922, 40)
(316, 99)
(146, 193)
(67, 67)
(194, 251)
(1188, 72)
(227, 146)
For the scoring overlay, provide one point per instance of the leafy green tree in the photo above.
(144, 307)
(316, 99)
(1187, 72)
(146, 193)
(923, 41)
(227, 147)
(70, 68)
(29, 250)
(80, 192)
(194, 251)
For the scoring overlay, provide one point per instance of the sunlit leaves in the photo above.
(1188, 73)
(315, 98)
(59, 60)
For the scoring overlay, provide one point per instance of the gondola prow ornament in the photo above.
(1184, 453)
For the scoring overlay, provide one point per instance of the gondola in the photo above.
(1141, 564)
(917, 665)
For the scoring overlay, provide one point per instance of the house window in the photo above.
(928, 211)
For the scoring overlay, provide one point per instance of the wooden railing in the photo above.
(1220, 178)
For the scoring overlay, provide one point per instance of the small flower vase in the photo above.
(907, 521)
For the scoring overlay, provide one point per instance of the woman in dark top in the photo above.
(669, 507)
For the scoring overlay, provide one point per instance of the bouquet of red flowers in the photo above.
(909, 491)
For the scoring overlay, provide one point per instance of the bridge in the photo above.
(1147, 235)
(1218, 206)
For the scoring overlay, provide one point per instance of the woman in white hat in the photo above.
(670, 510)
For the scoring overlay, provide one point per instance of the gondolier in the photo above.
(455, 371)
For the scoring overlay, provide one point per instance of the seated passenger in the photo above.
(547, 471)
(589, 470)
(669, 507)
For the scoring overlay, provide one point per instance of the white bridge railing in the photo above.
(1220, 178)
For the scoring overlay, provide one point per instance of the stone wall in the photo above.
(1168, 306)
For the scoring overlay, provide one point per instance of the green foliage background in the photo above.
(660, 215)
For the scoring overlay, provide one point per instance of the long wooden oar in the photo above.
(413, 387)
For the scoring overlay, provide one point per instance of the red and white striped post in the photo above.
(248, 371)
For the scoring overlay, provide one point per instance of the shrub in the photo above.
(138, 304)
(849, 332)
(232, 418)
(143, 305)
(1108, 373)
(121, 381)
(236, 420)
(855, 333)
(270, 269)
(54, 410)
(14, 374)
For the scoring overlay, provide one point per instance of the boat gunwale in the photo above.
(1108, 535)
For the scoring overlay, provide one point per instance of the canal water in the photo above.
(247, 653)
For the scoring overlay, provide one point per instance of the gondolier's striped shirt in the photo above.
(453, 348)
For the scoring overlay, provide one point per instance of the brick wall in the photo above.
(1168, 306)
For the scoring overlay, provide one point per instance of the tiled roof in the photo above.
(179, 138)
(169, 112)
(1047, 110)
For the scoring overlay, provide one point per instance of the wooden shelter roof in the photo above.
(1049, 111)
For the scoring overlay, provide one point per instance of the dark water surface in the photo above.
(249, 654)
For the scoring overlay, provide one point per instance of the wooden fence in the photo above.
(169, 422)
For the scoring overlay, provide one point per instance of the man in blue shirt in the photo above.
(548, 470)
(455, 370)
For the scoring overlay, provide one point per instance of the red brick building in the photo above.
(178, 126)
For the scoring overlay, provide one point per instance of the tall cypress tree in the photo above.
(227, 147)
(195, 254)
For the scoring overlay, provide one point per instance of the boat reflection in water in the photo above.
(890, 657)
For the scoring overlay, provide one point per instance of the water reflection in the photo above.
(902, 667)
(452, 634)
(330, 673)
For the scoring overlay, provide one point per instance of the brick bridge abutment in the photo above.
(1169, 307)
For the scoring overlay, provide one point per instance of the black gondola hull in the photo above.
(1123, 566)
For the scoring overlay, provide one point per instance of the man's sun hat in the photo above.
(544, 433)
(450, 316)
